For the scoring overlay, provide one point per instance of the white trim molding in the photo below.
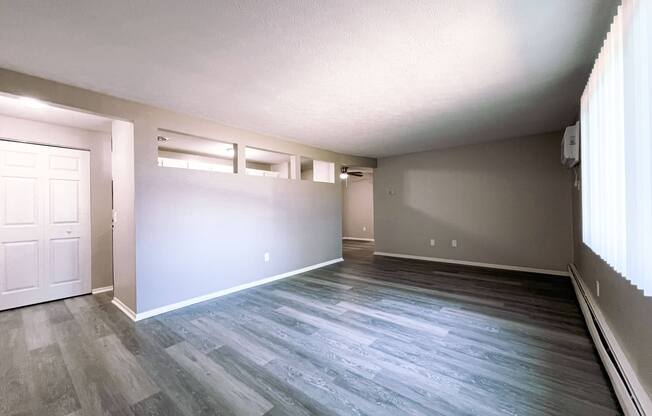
(124, 308)
(102, 289)
(631, 394)
(163, 309)
(475, 263)
(358, 239)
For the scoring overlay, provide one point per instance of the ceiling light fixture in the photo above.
(344, 174)
(31, 102)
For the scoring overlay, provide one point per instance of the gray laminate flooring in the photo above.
(369, 336)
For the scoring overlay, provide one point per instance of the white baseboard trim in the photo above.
(358, 239)
(124, 308)
(209, 296)
(102, 289)
(475, 263)
(631, 394)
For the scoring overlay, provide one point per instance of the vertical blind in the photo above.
(616, 147)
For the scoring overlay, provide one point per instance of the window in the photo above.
(317, 170)
(189, 152)
(616, 146)
(267, 163)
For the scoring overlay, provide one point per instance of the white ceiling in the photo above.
(15, 107)
(369, 77)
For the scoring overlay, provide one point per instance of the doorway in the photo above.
(358, 204)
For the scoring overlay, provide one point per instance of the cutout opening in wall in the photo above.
(267, 163)
(176, 150)
(317, 170)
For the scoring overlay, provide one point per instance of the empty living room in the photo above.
(367, 207)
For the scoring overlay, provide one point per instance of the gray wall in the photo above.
(628, 312)
(358, 206)
(506, 202)
(200, 232)
(99, 145)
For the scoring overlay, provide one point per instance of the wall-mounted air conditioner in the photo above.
(570, 146)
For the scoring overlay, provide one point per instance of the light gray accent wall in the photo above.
(627, 311)
(358, 206)
(99, 145)
(201, 232)
(506, 202)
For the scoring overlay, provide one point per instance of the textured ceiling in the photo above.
(372, 78)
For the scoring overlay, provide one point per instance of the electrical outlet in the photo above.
(364, 228)
(432, 242)
(597, 287)
(454, 243)
(266, 257)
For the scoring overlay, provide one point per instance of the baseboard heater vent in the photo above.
(631, 394)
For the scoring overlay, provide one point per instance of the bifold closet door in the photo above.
(45, 223)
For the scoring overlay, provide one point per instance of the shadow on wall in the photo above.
(504, 202)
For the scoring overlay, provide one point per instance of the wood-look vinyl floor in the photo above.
(369, 336)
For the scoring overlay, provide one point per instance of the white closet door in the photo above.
(45, 226)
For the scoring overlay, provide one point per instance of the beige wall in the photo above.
(628, 312)
(99, 145)
(358, 207)
(506, 202)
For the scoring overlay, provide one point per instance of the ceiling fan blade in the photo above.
(359, 174)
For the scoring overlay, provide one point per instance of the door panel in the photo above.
(64, 163)
(20, 159)
(21, 271)
(64, 201)
(44, 223)
(64, 260)
(20, 201)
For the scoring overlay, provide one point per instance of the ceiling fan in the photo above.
(344, 173)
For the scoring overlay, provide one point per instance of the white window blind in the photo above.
(616, 147)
